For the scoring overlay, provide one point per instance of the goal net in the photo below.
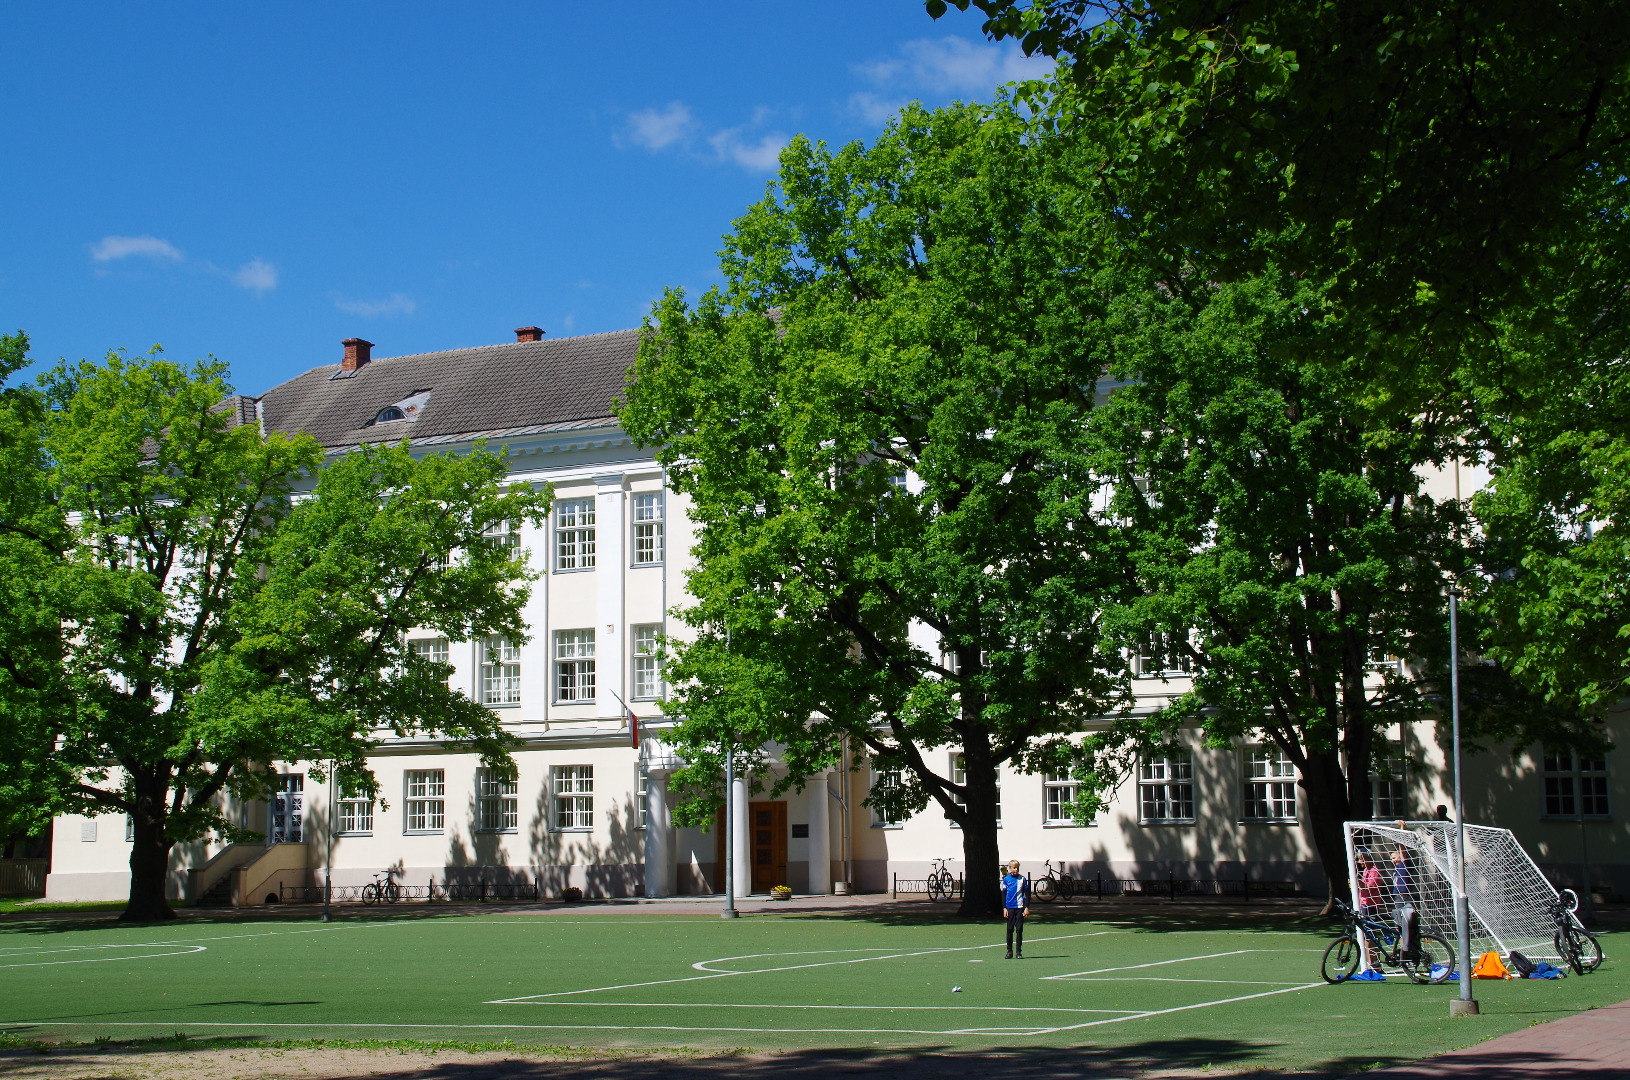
(1509, 899)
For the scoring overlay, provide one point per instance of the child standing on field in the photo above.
(1016, 900)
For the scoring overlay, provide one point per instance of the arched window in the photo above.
(389, 413)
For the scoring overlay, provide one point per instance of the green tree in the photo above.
(1284, 539)
(918, 308)
(210, 622)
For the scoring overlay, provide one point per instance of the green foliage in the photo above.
(926, 305)
(191, 618)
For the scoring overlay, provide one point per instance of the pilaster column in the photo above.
(820, 834)
(741, 852)
(611, 567)
(659, 860)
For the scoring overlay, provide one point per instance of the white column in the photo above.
(610, 568)
(741, 853)
(820, 835)
(658, 851)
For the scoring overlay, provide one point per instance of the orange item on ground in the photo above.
(1490, 967)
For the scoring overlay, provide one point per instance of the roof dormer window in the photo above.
(409, 409)
(389, 413)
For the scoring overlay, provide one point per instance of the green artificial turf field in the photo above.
(1203, 988)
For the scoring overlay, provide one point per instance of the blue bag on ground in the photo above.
(1370, 975)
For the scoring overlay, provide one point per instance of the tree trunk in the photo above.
(982, 891)
(149, 857)
(1327, 808)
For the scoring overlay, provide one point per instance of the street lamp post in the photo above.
(1465, 1004)
(328, 853)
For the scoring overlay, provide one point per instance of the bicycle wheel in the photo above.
(936, 891)
(1436, 962)
(370, 893)
(1341, 960)
(1590, 950)
(1066, 887)
(1044, 891)
(393, 892)
(1580, 949)
(1568, 949)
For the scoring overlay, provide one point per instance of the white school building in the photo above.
(586, 808)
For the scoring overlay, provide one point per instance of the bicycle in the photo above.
(1052, 885)
(1433, 960)
(940, 882)
(1574, 943)
(382, 890)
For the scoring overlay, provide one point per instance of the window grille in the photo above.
(504, 535)
(1387, 794)
(431, 649)
(644, 788)
(356, 817)
(648, 537)
(424, 808)
(887, 780)
(574, 797)
(574, 665)
(497, 802)
(1166, 786)
(1575, 786)
(574, 534)
(500, 672)
(959, 775)
(647, 676)
(1162, 654)
(1270, 785)
(1059, 791)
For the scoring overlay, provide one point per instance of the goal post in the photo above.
(1509, 899)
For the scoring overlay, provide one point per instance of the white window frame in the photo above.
(574, 681)
(575, 532)
(959, 775)
(504, 534)
(885, 779)
(1567, 776)
(1161, 655)
(642, 792)
(500, 671)
(1166, 780)
(1058, 792)
(1270, 786)
(572, 798)
(648, 529)
(354, 816)
(434, 649)
(424, 801)
(1389, 796)
(645, 669)
(497, 800)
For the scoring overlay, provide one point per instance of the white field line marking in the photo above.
(1223, 982)
(1163, 963)
(179, 950)
(232, 937)
(851, 1008)
(523, 999)
(1183, 1008)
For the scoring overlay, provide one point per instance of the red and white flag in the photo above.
(633, 722)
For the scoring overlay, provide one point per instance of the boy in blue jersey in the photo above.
(1016, 899)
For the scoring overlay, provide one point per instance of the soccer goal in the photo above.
(1509, 899)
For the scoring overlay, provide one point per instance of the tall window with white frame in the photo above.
(1166, 787)
(504, 535)
(500, 671)
(1575, 784)
(647, 677)
(356, 816)
(959, 775)
(883, 783)
(497, 800)
(435, 649)
(574, 797)
(574, 666)
(424, 807)
(1388, 801)
(643, 795)
(574, 534)
(1270, 785)
(1058, 795)
(648, 539)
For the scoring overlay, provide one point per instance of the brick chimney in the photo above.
(529, 333)
(357, 353)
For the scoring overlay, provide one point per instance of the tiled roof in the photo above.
(493, 387)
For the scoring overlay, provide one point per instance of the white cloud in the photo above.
(874, 108)
(110, 248)
(256, 275)
(394, 304)
(954, 65)
(761, 156)
(658, 129)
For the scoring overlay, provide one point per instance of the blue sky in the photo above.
(259, 181)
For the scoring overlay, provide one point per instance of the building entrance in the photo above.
(288, 808)
(767, 844)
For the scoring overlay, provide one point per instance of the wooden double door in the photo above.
(766, 845)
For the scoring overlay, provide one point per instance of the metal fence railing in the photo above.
(23, 877)
(920, 886)
(429, 892)
(1099, 887)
